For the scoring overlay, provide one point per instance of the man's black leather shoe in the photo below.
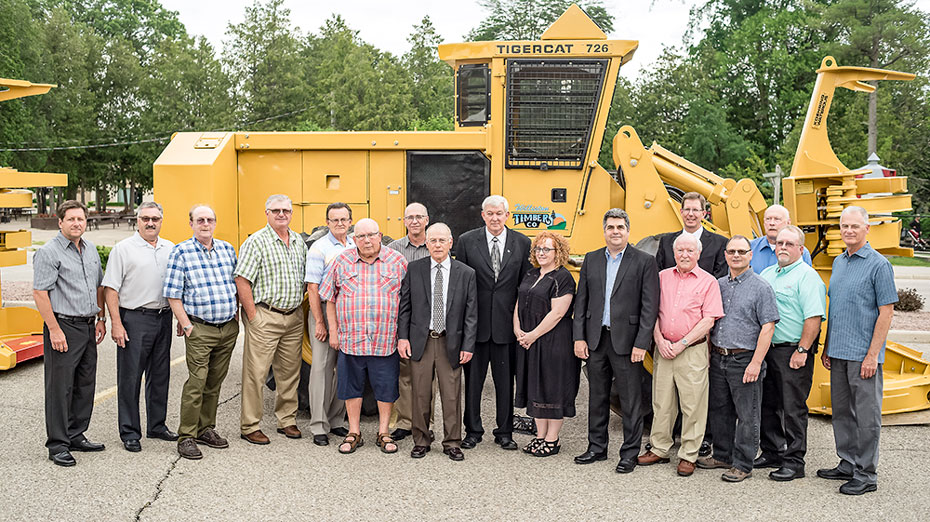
(766, 461)
(470, 441)
(857, 487)
(785, 474)
(705, 449)
(418, 452)
(589, 457)
(454, 454)
(834, 474)
(165, 434)
(86, 445)
(63, 459)
(400, 434)
(505, 442)
(339, 431)
(321, 440)
(626, 465)
(132, 445)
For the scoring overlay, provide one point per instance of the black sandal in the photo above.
(533, 445)
(547, 448)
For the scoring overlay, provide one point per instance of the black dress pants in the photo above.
(501, 359)
(148, 353)
(70, 380)
(784, 407)
(604, 367)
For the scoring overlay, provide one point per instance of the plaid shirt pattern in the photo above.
(367, 297)
(275, 270)
(203, 279)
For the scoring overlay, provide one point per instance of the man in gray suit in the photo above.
(436, 329)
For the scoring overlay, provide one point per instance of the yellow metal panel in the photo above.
(15, 239)
(314, 215)
(12, 89)
(893, 184)
(529, 193)
(574, 25)
(15, 198)
(12, 258)
(12, 178)
(474, 139)
(261, 174)
(388, 194)
(456, 52)
(330, 176)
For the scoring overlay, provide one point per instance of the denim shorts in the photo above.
(382, 373)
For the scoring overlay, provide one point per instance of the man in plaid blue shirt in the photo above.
(201, 291)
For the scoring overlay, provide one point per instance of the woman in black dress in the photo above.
(548, 373)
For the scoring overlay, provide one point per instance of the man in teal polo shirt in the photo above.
(801, 299)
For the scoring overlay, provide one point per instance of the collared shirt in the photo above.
(799, 294)
(749, 303)
(407, 249)
(696, 233)
(502, 240)
(321, 255)
(433, 269)
(367, 297)
(136, 270)
(613, 265)
(203, 279)
(763, 254)
(275, 270)
(685, 299)
(860, 283)
(70, 277)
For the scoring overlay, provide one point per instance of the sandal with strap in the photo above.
(354, 440)
(533, 444)
(547, 448)
(383, 440)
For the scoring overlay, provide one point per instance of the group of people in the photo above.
(732, 324)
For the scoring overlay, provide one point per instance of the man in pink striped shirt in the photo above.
(689, 303)
(364, 283)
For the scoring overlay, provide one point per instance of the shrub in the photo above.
(104, 253)
(909, 301)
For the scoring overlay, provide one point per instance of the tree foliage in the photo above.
(528, 19)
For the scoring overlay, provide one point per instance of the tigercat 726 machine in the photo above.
(20, 327)
(529, 121)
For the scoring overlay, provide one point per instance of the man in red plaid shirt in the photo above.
(364, 283)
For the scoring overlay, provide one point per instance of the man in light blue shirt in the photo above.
(763, 248)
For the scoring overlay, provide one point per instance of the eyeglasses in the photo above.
(279, 211)
(734, 251)
(438, 240)
(416, 217)
(150, 219)
(203, 220)
(367, 236)
(692, 211)
(789, 244)
(543, 250)
(339, 220)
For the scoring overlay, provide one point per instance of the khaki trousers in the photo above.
(683, 382)
(271, 340)
(401, 413)
(435, 365)
(326, 411)
(208, 352)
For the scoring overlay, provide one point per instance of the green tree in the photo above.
(430, 78)
(528, 19)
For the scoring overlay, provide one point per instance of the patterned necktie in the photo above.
(495, 257)
(439, 309)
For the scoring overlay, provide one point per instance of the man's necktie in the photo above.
(439, 308)
(495, 257)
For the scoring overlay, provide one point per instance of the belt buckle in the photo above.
(434, 335)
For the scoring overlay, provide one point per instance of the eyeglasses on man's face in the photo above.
(438, 240)
(735, 251)
(415, 217)
(339, 220)
(372, 235)
(205, 220)
(150, 219)
(280, 211)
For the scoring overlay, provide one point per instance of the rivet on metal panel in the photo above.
(373, 142)
(633, 162)
(648, 204)
(396, 142)
(246, 136)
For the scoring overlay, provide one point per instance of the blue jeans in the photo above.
(735, 409)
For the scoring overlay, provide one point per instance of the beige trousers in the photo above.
(680, 382)
(401, 413)
(326, 411)
(433, 366)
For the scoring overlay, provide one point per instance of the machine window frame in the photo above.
(468, 112)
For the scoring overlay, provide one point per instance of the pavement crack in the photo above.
(158, 487)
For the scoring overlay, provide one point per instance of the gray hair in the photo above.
(438, 228)
(367, 222)
(778, 208)
(495, 201)
(858, 210)
(278, 197)
(683, 236)
(151, 204)
(797, 231)
(616, 213)
(190, 213)
(416, 204)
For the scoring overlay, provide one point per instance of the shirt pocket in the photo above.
(390, 283)
(349, 284)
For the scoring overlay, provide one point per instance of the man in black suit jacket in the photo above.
(500, 258)
(436, 328)
(712, 259)
(612, 331)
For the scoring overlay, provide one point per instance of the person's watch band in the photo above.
(802, 349)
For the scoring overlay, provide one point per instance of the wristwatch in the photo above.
(802, 349)
(188, 328)
(99, 319)
(684, 342)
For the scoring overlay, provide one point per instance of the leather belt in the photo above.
(730, 351)
(267, 306)
(76, 318)
(785, 345)
(605, 327)
(436, 335)
(148, 311)
(195, 319)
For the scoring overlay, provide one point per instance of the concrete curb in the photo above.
(27, 304)
(918, 277)
(909, 336)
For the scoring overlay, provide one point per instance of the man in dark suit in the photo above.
(712, 259)
(616, 306)
(500, 258)
(436, 328)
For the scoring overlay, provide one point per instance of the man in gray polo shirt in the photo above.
(740, 340)
(141, 327)
(68, 295)
(862, 297)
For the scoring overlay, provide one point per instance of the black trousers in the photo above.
(70, 379)
(784, 407)
(604, 367)
(147, 353)
(501, 358)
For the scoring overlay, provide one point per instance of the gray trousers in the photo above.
(326, 410)
(857, 418)
(70, 379)
(148, 353)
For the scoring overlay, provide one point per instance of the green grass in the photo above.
(909, 261)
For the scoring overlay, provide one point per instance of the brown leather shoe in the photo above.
(256, 437)
(649, 458)
(685, 468)
(735, 475)
(212, 439)
(188, 449)
(290, 432)
(711, 463)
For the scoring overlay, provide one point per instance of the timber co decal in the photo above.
(532, 216)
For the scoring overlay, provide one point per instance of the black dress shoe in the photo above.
(589, 457)
(418, 452)
(86, 445)
(339, 431)
(400, 434)
(834, 474)
(506, 442)
(785, 474)
(857, 487)
(470, 441)
(132, 445)
(165, 434)
(705, 449)
(626, 465)
(766, 461)
(321, 440)
(454, 454)
(63, 459)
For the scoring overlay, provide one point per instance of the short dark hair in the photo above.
(740, 237)
(68, 205)
(694, 195)
(336, 205)
(616, 213)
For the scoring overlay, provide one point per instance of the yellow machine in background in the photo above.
(529, 120)
(20, 327)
